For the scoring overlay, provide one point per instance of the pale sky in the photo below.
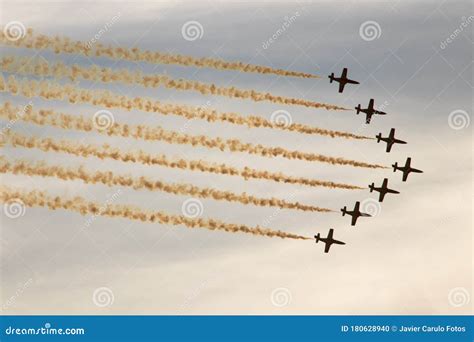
(414, 257)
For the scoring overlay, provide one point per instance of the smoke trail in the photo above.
(80, 205)
(29, 66)
(56, 91)
(157, 133)
(65, 45)
(107, 152)
(110, 179)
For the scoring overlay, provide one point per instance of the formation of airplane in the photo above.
(343, 80)
(383, 190)
(369, 111)
(390, 140)
(356, 213)
(328, 241)
(407, 169)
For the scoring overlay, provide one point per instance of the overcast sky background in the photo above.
(406, 260)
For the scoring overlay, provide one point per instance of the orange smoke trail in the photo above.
(65, 45)
(110, 179)
(80, 205)
(107, 152)
(172, 137)
(27, 66)
(73, 94)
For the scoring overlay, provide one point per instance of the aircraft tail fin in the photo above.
(395, 166)
(331, 77)
(371, 187)
(317, 237)
(357, 109)
(379, 136)
(344, 210)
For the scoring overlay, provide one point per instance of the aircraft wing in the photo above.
(371, 104)
(344, 73)
(392, 133)
(405, 175)
(367, 118)
(389, 146)
(385, 183)
(357, 207)
(341, 86)
(354, 220)
(326, 248)
(331, 232)
(381, 196)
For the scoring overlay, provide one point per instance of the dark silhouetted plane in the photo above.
(390, 140)
(383, 189)
(343, 80)
(405, 169)
(354, 213)
(369, 111)
(328, 240)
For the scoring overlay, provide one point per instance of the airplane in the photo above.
(383, 189)
(369, 111)
(355, 213)
(390, 140)
(328, 240)
(343, 80)
(405, 169)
